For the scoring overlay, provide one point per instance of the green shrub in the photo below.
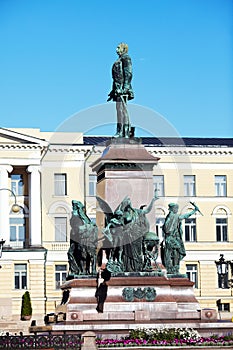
(26, 309)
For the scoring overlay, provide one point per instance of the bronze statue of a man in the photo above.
(122, 89)
(173, 250)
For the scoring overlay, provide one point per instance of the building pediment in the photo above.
(16, 138)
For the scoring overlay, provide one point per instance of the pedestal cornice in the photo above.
(124, 154)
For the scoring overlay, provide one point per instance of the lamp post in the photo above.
(1, 246)
(231, 280)
(222, 270)
(15, 207)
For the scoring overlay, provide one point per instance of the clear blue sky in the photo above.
(56, 59)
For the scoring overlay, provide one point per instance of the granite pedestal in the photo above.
(125, 168)
(172, 298)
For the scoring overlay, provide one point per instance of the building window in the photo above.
(17, 231)
(189, 185)
(17, 184)
(60, 185)
(223, 307)
(220, 186)
(191, 271)
(190, 230)
(60, 229)
(60, 275)
(159, 228)
(158, 181)
(20, 276)
(92, 184)
(221, 229)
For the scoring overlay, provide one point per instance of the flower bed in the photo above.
(166, 337)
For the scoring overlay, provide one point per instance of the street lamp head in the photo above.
(222, 265)
(222, 271)
(15, 208)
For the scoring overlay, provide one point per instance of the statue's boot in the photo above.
(119, 132)
(126, 130)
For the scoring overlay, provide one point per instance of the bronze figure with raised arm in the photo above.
(173, 249)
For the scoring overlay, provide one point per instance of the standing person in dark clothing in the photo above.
(102, 289)
(101, 295)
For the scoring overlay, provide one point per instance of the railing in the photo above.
(46, 341)
(17, 244)
(61, 246)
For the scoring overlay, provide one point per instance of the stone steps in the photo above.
(15, 326)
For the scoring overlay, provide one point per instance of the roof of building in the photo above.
(168, 141)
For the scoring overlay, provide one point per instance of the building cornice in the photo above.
(204, 151)
(69, 148)
(181, 151)
(20, 146)
(155, 151)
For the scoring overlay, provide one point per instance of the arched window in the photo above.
(158, 182)
(160, 215)
(221, 214)
(190, 232)
(91, 212)
(60, 212)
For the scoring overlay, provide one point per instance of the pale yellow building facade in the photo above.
(46, 171)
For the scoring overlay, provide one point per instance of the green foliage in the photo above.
(26, 309)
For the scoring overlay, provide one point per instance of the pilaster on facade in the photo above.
(35, 232)
(4, 200)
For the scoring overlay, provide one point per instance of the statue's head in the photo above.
(151, 236)
(119, 213)
(128, 204)
(173, 207)
(77, 205)
(151, 240)
(121, 49)
(125, 203)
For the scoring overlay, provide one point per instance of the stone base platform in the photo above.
(134, 299)
(121, 328)
(170, 303)
(136, 316)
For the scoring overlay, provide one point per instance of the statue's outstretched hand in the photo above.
(156, 197)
